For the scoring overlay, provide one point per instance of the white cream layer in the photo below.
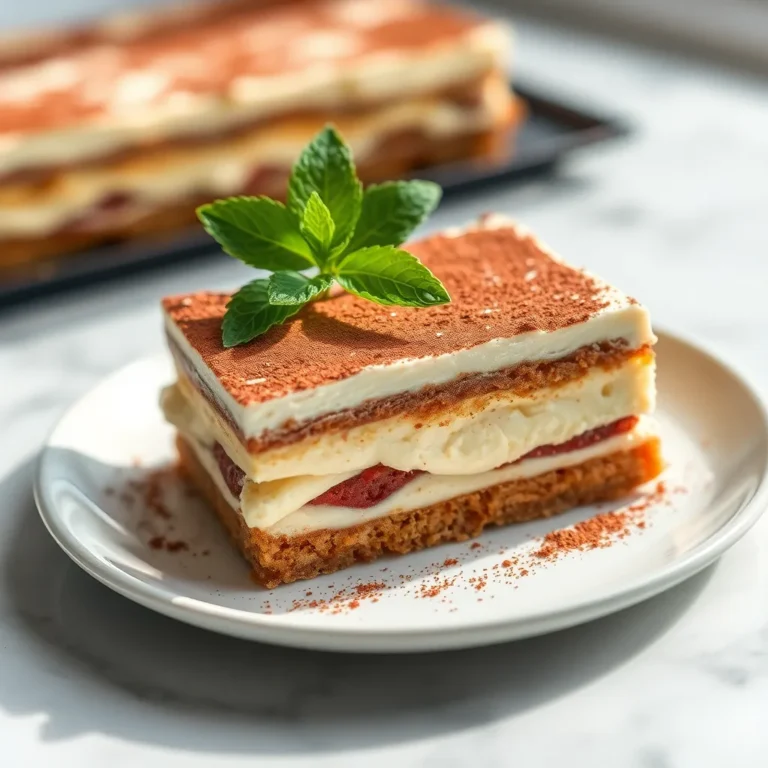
(327, 84)
(423, 491)
(480, 434)
(619, 320)
(223, 168)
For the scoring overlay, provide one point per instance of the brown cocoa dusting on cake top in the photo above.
(501, 283)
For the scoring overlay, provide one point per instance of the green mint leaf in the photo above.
(249, 314)
(391, 211)
(387, 275)
(317, 227)
(257, 230)
(287, 288)
(326, 167)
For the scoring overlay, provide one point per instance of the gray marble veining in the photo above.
(677, 215)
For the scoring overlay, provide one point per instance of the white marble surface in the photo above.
(678, 216)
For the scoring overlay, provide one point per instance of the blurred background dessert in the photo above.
(119, 128)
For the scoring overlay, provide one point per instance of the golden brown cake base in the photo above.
(282, 559)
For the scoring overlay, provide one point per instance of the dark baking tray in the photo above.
(552, 130)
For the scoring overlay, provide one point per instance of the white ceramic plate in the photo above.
(715, 436)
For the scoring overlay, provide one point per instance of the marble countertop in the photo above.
(677, 215)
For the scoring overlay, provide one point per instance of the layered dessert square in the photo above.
(121, 129)
(357, 430)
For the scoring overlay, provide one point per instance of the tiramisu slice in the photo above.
(355, 430)
(121, 129)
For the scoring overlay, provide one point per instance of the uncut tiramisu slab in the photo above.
(124, 129)
(356, 430)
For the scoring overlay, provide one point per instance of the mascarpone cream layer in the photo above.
(476, 436)
(424, 491)
(619, 319)
(327, 84)
(224, 168)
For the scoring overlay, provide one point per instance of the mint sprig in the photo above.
(259, 231)
(249, 314)
(391, 211)
(326, 167)
(348, 236)
(295, 288)
(387, 275)
(318, 227)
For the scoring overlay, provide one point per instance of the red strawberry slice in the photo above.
(233, 476)
(377, 483)
(367, 489)
(586, 439)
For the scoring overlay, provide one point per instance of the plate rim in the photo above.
(276, 630)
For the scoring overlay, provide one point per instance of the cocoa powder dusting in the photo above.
(432, 582)
(589, 534)
(343, 600)
(153, 491)
(435, 588)
(367, 590)
(160, 542)
(603, 529)
(153, 495)
(483, 270)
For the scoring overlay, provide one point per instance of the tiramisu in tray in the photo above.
(121, 129)
(356, 430)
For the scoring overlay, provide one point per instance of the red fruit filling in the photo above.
(585, 439)
(375, 484)
(233, 476)
(367, 489)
